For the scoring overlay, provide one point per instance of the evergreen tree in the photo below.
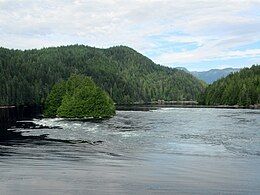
(79, 97)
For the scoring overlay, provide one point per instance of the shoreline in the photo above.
(147, 107)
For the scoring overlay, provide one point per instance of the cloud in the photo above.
(203, 56)
(170, 32)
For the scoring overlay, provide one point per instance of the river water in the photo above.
(164, 151)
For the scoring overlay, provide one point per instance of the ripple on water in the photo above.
(171, 150)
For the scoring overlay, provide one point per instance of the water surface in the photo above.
(165, 151)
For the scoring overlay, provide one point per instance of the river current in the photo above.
(164, 151)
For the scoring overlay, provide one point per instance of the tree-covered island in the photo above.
(78, 97)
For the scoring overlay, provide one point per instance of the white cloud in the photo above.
(218, 27)
(196, 56)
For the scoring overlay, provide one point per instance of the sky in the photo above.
(198, 35)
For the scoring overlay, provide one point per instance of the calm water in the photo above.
(166, 151)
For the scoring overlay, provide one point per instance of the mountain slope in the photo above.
(26, 77)
(214, 74)
(240, 88)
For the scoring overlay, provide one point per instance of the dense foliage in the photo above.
(26, 77)
(54, 99)
(79, 97)
(240, 88)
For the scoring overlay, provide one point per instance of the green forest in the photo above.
(240, 88)
(78, 97)
(26, 77)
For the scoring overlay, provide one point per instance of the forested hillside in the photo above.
(240, 88)
(26, 77)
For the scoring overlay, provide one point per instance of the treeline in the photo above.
(240, 88)
(26, 77)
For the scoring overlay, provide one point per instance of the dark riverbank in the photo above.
(10, 114)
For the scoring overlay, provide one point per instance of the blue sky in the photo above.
(198, 35)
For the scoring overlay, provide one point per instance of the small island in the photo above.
(78, 98)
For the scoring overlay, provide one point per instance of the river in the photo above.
(164, 151)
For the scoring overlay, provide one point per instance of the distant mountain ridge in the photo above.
(211, 75)
(214, 74)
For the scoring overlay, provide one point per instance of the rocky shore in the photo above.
(10, 114)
